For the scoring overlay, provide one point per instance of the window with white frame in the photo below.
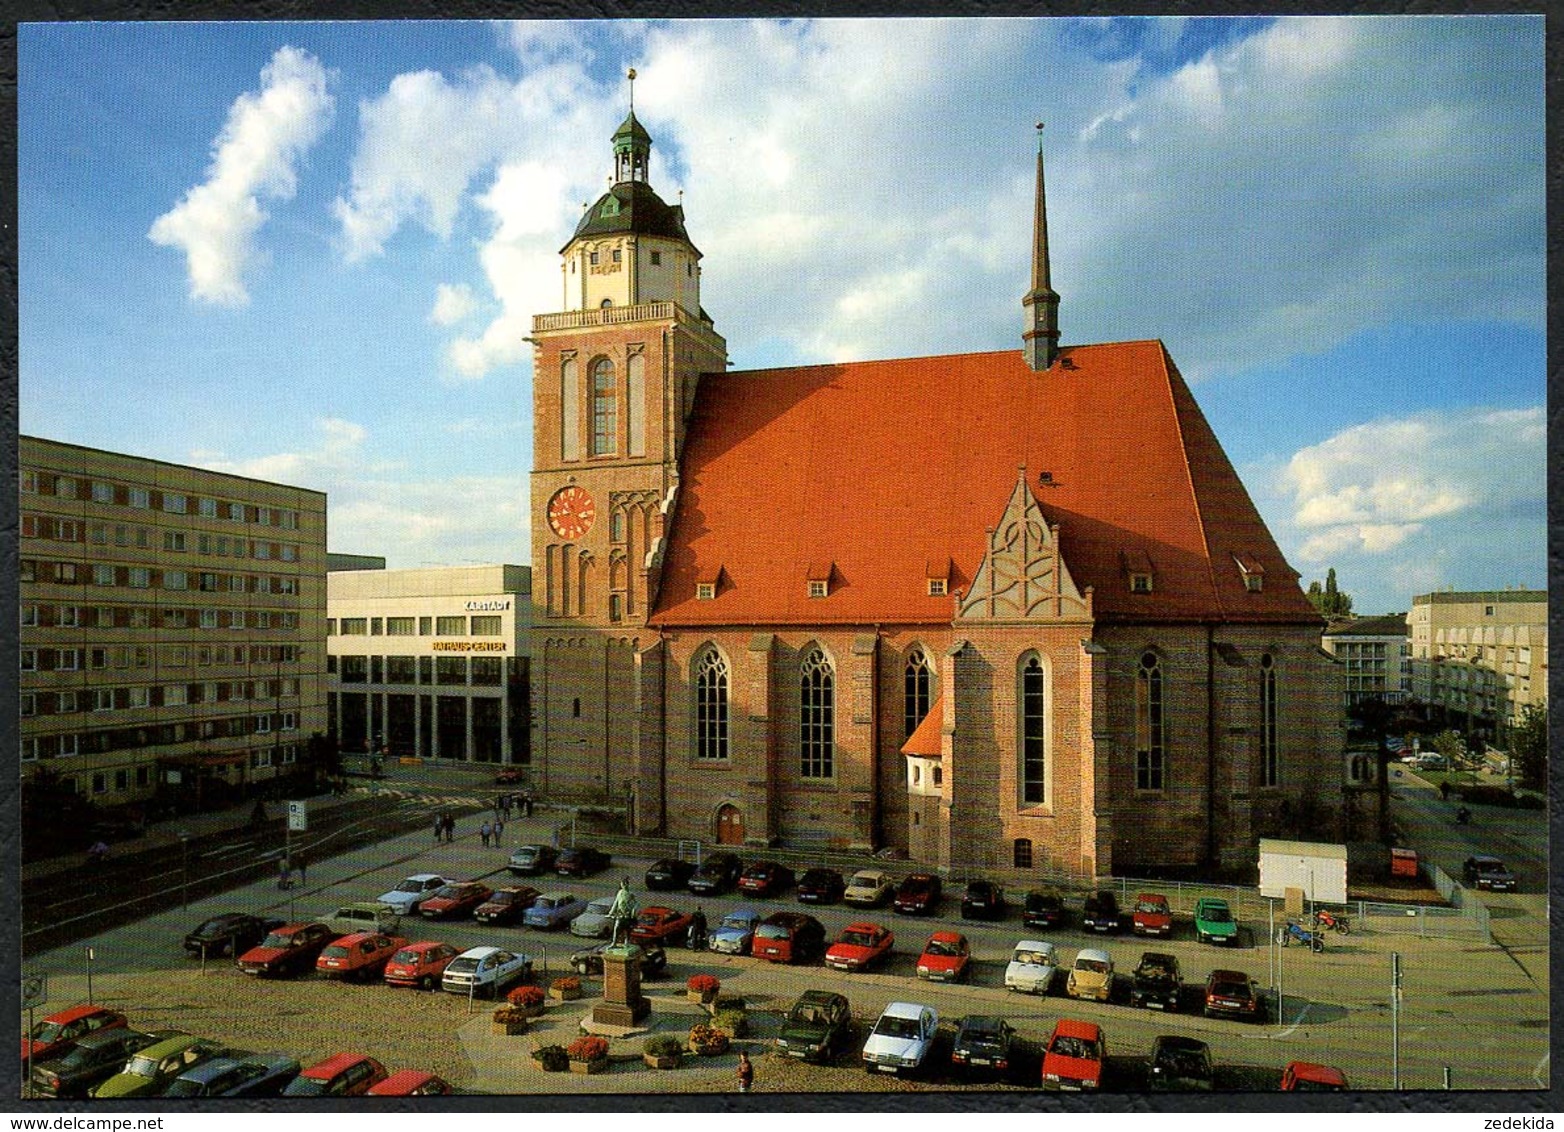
(139, 497)
(140, 577)
(1034, 732)
(207, 508)
(29, 615)
(102, 492)
(711, 706)
(817, 716)
(174, 503)
(917, 691)
(175, 695)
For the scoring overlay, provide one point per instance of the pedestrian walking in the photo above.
(439, 826)
(284, 874)
(483, 832)
(505, 806)
(499, 828)
(746, 1072)
(450, 828)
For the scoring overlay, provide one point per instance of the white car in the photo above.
(868, 887)
(1032, 966)
(736, 932)
(407, 896)
(595, 922)
(901, 1039)
(484, 970)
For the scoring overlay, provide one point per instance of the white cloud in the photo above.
(452, 304)
(266, 134)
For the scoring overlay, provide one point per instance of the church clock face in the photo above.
(571, 511)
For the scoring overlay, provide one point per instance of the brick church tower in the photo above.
(614, 377)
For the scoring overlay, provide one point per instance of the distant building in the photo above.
(171, 625)
(1375, 657)
(1478, 659)
(336, 562)
(431, 663)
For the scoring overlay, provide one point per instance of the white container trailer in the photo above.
(1316, 869)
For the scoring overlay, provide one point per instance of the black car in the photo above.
(820, 886)
(1101, 912)
(1157, 982)
(654, 960)
(670, 874)
(1042, 910)
(818, 1028)
(1182, 1064)
(983, 900)
(237, 1074)
(581, 861)
(765, 878)
(717, 873)
(95, 1058)
(983, 1045)
(229, 934)
(532, 860)
(1488, 872)
(918, 895)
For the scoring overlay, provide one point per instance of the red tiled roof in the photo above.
(925, 740)
(881, 468)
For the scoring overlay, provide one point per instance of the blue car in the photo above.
(237, 1075)
(736, 932)
(553, 910)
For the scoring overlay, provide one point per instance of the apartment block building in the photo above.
(1375, 655)
(431, 663)
(1479, 658)
(172, 626)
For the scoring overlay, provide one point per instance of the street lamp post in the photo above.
(184, 869)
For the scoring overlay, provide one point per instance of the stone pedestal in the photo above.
(623, 1003)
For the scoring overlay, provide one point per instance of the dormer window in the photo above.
(819, 579)
(1138, 570)
(937, 574)
(1140, 583)
(1252, 572)
(819, 587)
(936, 587)
(705, 591)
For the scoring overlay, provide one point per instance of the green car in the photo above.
(1214, 921)
(155, 1067)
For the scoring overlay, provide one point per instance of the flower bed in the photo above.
(708, 1041)
(588, 1055)
(702, 988)
(524, 1002)
(565, 988)
(510, 1019)
(551, 1059)
(662, 1051)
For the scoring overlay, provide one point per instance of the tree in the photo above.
(1329, 601)
(1528, 741)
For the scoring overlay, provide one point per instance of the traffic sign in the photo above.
(35, 990)
(298, 817)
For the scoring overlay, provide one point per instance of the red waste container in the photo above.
(1403, 862)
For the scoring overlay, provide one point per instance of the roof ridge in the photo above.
(1169, 371)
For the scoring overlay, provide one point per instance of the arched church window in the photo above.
(817, 716)
(1034, 732)
(711, 706)
(569, 410)
(1149, 724)
(605, 409)
(917, 692)
(1269, 763)
(635, 404)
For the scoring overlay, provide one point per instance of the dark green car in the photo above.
(1214, 921)
(819, 1026)
(155, 1067)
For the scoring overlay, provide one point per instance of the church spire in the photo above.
(632, 144)
(1040, 341)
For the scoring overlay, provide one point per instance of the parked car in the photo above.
(984, 1045)
(859, 947)
(718, 873)
(532, 860)
(901, 1038)
(363, 955)
(817, 1028)
(1311, 1077)
(93, 1059)
(407, 896)
(1488, 872)
(1091, 975)
(868, 888)
(765, 878)
(660, 925)
(553, 910)
(582, 861)
(595, 920)
(918, 895)
(289, 950)
(946, 958)
(1032, 966)
(1152, 916)
(506, 905)
(484, 970)
(1214, 921)
(411, 1083)
(150, 1070)
(983, 900)
(669, 874)
(1042, 910)
(1157, 981)
(1233, 994)
(60, 1031)
(736, 932)
(1181, 1064)
(788, 937)
(820, 886)
(420, 964)
(654, 960)
(229, 934)
(1074, 1057)
(340, 1075)
(510, 776)
(364, 916)
(455, 900)
(237, 1075)
(1100, 913)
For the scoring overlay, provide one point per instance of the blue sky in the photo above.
(309, 251)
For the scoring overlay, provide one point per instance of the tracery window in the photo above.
(817, 716)
(711, 706)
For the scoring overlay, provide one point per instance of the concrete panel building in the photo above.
(1479, 658)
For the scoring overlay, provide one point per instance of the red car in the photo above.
(58, 1034)
(859, 947)
(362, 955)
(660, 925)
(340, 1075)
(1074, 1056)
(289, 950)
(506, 906)
(1233, 994)
(946, 958)
(411, 1083)
(420, 964)
(1152, 915)
(452, 901)
(788, 937)
(1311, 1077)
(765, 878)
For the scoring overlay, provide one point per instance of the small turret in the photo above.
(1040, 340)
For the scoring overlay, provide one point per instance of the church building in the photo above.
(1004, 610)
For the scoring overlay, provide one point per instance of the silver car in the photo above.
(595, 922)
(736, 932)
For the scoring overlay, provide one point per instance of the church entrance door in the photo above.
(730, 826)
